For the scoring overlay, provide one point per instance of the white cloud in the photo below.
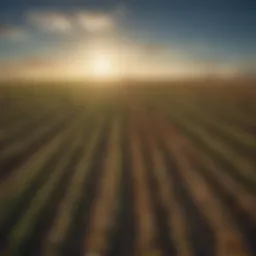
(51, 21)
(11, 32)
(96, 21)
(89, 21)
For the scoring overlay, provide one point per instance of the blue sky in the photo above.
(218, 31)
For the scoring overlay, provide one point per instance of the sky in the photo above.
(129, 37)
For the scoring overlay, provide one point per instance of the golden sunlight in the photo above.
(103, 67)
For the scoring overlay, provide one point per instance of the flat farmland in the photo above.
(132, 169)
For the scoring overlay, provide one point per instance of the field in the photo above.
(137, 169)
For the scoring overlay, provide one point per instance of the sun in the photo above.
(103, 67)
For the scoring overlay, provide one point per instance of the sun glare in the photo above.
(103, 67)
